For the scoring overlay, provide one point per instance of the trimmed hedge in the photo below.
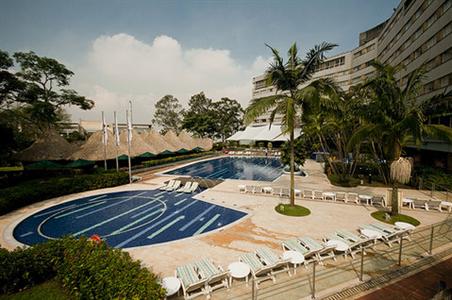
(86, 269)
(37, 190)
(161, 161)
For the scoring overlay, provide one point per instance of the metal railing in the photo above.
(435, 190)
(366, 269)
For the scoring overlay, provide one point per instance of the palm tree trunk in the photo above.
(292, 164)
(395, 199)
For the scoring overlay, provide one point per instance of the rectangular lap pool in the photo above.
(247, 168)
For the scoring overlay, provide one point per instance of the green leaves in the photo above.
(168, 114)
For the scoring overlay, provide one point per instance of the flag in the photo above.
(104, 130)
(129, 128)
(116, 131)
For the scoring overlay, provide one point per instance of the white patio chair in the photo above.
(341, 196)
(318, 195)
(308, 194)
(185, 188)
(168, 184)
(353, 197)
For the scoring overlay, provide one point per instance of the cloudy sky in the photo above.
(143, 50)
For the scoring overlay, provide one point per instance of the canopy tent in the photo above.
(79, 163)
(49, 146)
(263, 133)
(93, 149)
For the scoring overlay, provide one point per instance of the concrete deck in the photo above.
(262, 225)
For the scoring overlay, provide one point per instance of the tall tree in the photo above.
(168, 114)
(288, 78)
(200, 117)
(229, 117)
(394, 117)
(46, 89)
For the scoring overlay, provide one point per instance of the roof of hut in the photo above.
(139, 145)
(188, 140)
(156, 140)
(174, 140)
(49, 146)
(93, 149)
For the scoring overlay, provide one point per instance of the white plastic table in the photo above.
(171, 285)
(238, 270)
(329, 195)
(297, 192)
(447, 204)
(367, 198)
(294, 257)
(338, 245)
(404, 225)
(409, 202)
(371, 234)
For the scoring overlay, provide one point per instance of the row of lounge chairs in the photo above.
(203, 276)
(428, 204)
(176, 185)
(315, 194)
(253, 153)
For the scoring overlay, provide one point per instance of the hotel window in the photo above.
(446, 55)
(428, 87)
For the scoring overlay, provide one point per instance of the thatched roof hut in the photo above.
(93, 149)
(188, 140)
(139, 145)
(204, 143)
(49, 146)
(172, 139)
(157, 141)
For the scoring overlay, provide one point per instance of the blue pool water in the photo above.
(247, 168)
(127, 219)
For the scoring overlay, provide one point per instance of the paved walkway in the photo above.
(423, 285)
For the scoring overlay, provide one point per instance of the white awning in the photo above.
(262, 133)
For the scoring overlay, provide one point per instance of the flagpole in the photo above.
(117, 142)
(129, 140)
(104, 132)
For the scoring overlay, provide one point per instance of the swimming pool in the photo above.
(127, 219)
(247, 168)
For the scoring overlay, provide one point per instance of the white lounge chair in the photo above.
(433, 204)
(185, 188)
(193, 284)
(193, 187)
(271, 259)
(259, 271)
(168, 184)
(216, 276)
(418, 203)
(175, 186)
(341, 196)
(308, 194)
(353, 197)
(379, 200)
(318, 195)
(295, 245)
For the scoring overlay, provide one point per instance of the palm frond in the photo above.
(440, 132)
(365, 132)
(259, 107)
(313, 58)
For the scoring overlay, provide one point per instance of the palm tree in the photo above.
(393, 118)
(288, 79)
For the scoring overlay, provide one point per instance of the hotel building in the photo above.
(417, 33)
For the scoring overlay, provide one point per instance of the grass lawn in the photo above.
(380, 216)
(293, 211)
(49, 290)
(9, 169)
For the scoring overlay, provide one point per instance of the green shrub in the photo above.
(37, 190)
(86, 269)
(166, 160)
(345, 181)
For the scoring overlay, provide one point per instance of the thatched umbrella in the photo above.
(156, 141)
(49, 146)
(188, 140)
(172, 139)
(93, 149)
(138, 146)
(400, 173)
(205, 143)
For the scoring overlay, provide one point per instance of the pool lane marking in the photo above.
(207, 224)
(97, 198)
(137, 235)
(161, 193)
(146, 210)
(55, 210)
(154, 234)
(111, 219)
(181, 201)
(196, 218)
(26, 234)
(180, 194)
(120, 230)
(108, 206)
(80, 209)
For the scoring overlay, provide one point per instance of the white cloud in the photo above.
(120, 67)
